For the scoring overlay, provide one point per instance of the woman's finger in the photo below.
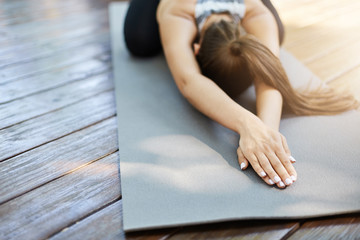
(282, 156)
(270, 171)
(268, 180)
(287, 149)
(242, 159)
(285, 145)
(256, 166)
(292, 159)
(280, 169)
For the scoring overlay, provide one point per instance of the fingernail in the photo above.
(282, 184)
(277, 179)
(263, 174)
(242, 166)
(292, 159)
(293, 177)
(271, 182)
(288, 181)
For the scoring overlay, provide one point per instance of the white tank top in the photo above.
(204, 8)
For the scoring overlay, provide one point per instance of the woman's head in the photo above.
(219, 57)
(232, 61)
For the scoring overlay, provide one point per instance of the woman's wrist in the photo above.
(245, 122)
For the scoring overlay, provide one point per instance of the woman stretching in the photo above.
(212, 63)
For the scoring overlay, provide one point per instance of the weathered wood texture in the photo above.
(107, 224)
(58, 138)
(239, 230)
(325, 35)
(59, 172)
(41, 165)
(54, 99)
(52, 207)
(15, 90)
(104, 224)
(48, 127)
(336, 228)
(56, 61)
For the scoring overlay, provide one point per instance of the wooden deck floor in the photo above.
(59, 173)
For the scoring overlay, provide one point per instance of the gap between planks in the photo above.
(57, 109)
(54, 139)
(57, 12)
(62, 175)
(34, 168)
(54, 100)
(54, 83)
(72, 201)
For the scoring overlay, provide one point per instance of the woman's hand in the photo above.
(267, 152)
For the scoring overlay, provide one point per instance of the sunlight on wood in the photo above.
(325, 36)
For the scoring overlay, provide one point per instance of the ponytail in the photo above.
(263, 64)
(224, 53)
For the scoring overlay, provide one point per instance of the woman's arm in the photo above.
(268, 105)
(177, 35)
(260, 22)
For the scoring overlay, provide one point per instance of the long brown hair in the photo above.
(231, 61)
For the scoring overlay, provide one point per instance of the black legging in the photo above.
(141, 29)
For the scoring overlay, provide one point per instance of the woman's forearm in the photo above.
(209, 99)
(269, 105)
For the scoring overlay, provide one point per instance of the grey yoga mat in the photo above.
(178, 167)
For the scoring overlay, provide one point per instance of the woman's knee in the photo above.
(141, 30)
(141, 42)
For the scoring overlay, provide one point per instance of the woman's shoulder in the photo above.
(181, 8)
(254, 5)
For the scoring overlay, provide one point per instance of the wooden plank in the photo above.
(302, 13)
(47, 40)
(41, 165)
(104, 224)
(31, 54)
(328, 47)
(336, 228)
(322, 45)
(349, 81)
(45, 128)
(29, 86)
(107, 224)
(244, 230)
(7, 5)
(320, 39)
(32, 11)
(290, 5)
(12, 6)
(44, 23)
(35, 105)
(331, 27)
(43, 28)
(336, 63)
(37, 11)
(294, 5)
(50, 208)
(55, 62)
